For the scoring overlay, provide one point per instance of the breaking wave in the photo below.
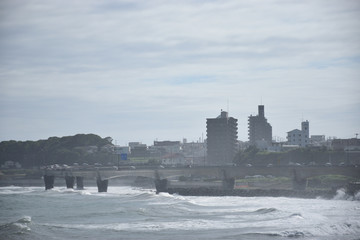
(342, 195)
(130, 213)
(19, 227)
(265, 210)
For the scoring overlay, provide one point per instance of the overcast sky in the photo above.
(147, 70)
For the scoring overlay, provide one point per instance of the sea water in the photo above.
(135, 213)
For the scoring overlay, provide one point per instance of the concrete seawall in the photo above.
(328, 194)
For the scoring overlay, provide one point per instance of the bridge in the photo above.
(228, 174)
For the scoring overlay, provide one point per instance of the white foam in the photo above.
(25, 219)
(341, 195)
(336, 229)
(18, 226)
(18, 190)
(84, 192)
(22, 226)
(357, 196)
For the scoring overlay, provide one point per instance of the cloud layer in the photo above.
(145, 70)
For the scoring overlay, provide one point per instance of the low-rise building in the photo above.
(299, 137)
(194, 153)
(167, 147)
(138, 149)
(122, 149)
(351, 144)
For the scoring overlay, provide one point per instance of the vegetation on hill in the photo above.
(81, 148)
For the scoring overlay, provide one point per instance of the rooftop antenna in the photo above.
(228, 106)
(261, 100)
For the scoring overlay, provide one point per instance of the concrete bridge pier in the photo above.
(70, 180)
(298, 182)
(228, 183)
(49, 181)
(102, 185)
(161, 185)
(79, 183)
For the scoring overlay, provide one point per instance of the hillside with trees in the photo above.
(81, 148)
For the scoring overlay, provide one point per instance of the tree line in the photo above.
(81, 148)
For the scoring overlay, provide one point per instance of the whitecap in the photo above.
(296, 215)
(337, 229)
(265, 210)
(18, 226)
(25, 219)
(341, 195)
(17, 190)
(85, 192)
(22, 227)
(357, 196)
(164, 194)
(293, 234)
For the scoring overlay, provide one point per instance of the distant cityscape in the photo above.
(220, 147)
(221, 143)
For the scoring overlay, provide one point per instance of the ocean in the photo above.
(135, 213)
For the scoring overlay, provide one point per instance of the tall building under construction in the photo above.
(221, 139)
(259, 128)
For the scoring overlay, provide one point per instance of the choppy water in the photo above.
(129, 213)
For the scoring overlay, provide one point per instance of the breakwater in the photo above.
(327, 194)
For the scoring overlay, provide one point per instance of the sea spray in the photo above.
(341, 194)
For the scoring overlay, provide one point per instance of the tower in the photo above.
(261, 111)
(305, 128)
(305, 133)
(259, 128)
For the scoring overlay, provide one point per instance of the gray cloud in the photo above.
(158, 69)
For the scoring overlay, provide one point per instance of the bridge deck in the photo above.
(211, 172)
